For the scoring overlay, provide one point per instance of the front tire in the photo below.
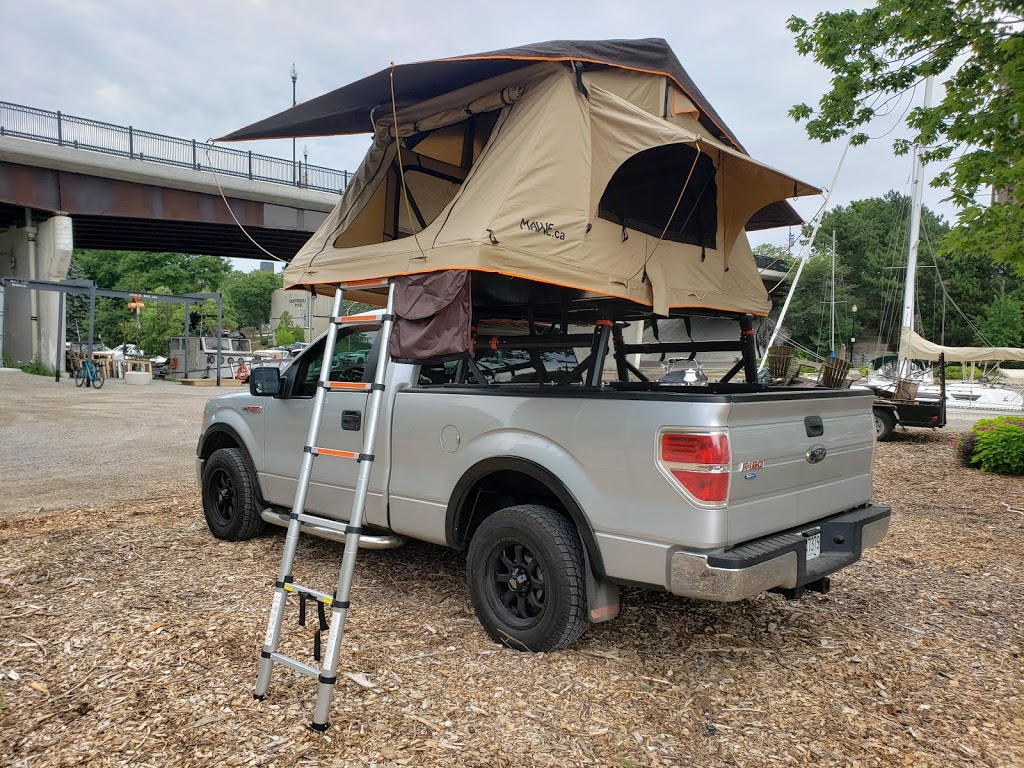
(98, 380)
(80, 377)
(885, 424)
(527, 579)
(230, 499)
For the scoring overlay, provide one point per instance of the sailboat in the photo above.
(917, 384)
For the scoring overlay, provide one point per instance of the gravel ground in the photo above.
(120, 645)
(63, 447)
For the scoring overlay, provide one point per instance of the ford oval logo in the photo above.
(815, 454)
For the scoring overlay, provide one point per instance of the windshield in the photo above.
(210, 344)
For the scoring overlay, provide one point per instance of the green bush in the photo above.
(954, 372)
(997, 446)
(37, 367)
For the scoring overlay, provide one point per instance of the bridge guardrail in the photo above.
(126, 141)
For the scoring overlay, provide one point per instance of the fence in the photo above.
(81, 133)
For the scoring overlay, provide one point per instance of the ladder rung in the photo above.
(298, 666)
(350, 386)
(298, 589)
(357, 320)
(338, 526)
(339, 454)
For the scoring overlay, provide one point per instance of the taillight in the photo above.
(698, 462)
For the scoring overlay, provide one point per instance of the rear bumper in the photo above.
(779, 560)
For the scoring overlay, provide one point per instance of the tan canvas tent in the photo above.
(597, 167)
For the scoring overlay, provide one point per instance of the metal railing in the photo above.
(126, 141)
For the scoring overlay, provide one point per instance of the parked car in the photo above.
(121, 351)
(82, 347)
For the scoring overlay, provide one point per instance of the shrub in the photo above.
(994, 445)
(965, 445)
(38, 368)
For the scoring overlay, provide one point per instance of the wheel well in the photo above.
(499, 483)
(218, 439)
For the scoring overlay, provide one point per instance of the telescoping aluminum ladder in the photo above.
(338, 603)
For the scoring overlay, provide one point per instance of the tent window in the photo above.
(645, 188)
(436, 164)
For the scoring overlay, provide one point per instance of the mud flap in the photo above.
(602, 596)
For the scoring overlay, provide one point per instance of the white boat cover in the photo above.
(916, 347)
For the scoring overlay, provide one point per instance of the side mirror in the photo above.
(265, 382)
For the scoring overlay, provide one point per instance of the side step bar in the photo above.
(333, 530)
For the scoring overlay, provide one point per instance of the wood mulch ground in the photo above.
(128, 636)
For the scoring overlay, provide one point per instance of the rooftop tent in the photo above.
(597, 167)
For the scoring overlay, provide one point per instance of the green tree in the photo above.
(872, 238)
(807, 320)
(287, 332)
(871, 243)
(249, 294)
(176, 273)
(1002, 320)
(878, 56)
(169, 273)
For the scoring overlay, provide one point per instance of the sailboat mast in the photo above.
(832, 303)
(910, 281)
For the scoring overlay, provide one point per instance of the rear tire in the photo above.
(97, 382)
(885, 424)
(527, 579)
(230, 499)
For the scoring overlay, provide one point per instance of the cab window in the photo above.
(354, 360)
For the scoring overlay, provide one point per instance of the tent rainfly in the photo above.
(595, 166)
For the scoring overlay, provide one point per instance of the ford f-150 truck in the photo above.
(560, 491)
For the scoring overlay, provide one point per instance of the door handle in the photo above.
(352, 420)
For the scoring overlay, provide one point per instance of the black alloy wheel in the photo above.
(517, 583)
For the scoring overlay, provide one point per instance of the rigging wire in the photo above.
(946, 296)
(805, 255)
(209, 166)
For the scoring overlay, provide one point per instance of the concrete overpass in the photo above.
(68, 182)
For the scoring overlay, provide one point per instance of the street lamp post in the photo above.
(305, 166)
(853, 331)
(295, 76)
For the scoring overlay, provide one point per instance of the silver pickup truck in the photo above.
(561, 492)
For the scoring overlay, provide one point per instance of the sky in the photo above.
(203, 68)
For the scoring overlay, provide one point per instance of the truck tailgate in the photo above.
(797, 457)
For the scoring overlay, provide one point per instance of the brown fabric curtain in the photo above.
(433, 312)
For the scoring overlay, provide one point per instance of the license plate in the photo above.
(813, 545)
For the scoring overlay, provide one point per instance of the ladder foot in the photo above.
(319, 727)
(259, 696)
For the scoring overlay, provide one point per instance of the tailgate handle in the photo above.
(352, 420)
(814, 426)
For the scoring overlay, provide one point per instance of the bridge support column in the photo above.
(41, 252)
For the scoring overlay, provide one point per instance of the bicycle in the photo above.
(89, 372)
